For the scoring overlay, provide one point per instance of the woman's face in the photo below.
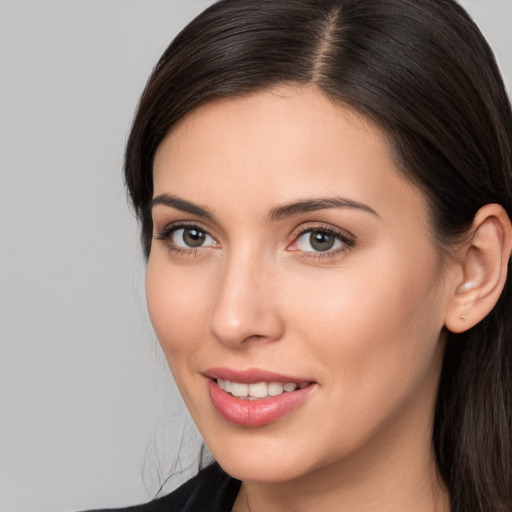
(288, 250)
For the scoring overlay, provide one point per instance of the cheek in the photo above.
(178, 305)
(375, 343)
(374, 323)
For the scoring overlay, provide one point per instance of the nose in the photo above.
(246, 309)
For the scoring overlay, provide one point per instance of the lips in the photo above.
(255, 397)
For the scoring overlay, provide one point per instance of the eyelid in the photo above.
(347, 238)
(165, 234)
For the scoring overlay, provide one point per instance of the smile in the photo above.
(255, 398)
(258, 390)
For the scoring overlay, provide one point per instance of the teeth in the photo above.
(275, 388)
(238, 389)
(258, 389)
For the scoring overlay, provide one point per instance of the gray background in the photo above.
(86, 404)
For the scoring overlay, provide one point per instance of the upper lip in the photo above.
(252, 375)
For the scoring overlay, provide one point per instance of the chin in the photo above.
(260, 471)
(270, 464)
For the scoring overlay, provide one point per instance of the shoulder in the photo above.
(211, 490)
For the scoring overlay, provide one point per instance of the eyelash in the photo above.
(348, 241)
(166, 235)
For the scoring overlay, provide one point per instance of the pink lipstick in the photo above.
(255, 397)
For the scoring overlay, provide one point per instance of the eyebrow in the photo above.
(181, 204)
(311, 205)
(276, 213)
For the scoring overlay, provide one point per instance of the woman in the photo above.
(325, 193)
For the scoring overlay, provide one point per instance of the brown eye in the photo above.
(319, 240)
(191, 238)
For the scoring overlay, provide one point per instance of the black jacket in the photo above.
(211, 490)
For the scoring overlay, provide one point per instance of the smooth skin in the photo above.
(354, 298)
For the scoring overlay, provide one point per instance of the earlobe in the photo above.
(481, 269)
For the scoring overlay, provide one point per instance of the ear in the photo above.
(481, 269)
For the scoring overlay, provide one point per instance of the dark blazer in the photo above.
(211, 490)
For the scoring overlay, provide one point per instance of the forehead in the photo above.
(280, 118)
(278, 145)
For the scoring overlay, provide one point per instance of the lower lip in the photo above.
(255, 413)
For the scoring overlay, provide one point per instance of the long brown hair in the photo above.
(423, 72)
